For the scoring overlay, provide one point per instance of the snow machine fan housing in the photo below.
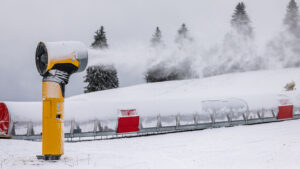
(70, 57)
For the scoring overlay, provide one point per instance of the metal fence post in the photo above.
(213, 117)
(263, 113)
(12, 130)
(258, 114)
(72, 129)
(30, 130)
(245, 117)
(97, 126)
(141, 124)
(158, 125)
(229, 117)
(178, 120)
(273, 113)
(196, 116)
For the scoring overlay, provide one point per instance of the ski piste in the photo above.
(175, 106)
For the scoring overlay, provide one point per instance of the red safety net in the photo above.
(4, 119)
(128, 121)
(285, 112)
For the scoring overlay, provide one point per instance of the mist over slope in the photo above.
(129, 26)
(258, 89)
(238, 51)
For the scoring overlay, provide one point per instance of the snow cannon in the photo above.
(56, 61)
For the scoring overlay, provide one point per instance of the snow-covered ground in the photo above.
(257, 89)
(274, 145)
(265, 146)
(235, 92)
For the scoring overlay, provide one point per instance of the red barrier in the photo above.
(128, 122)
(4, 119)
(285, 112)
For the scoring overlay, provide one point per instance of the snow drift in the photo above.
(236, 93)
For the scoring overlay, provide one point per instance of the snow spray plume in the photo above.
(175, 61)
(238, 51)
(284, 50)
(185, 57)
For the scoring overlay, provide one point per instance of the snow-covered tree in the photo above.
(175, 64)
(183, 35)
(284, 50)
(159, 74)
(101, 77)
(100, 40)
(163, 71)
(156, 39)
(240, 21)
(291, 19)
(238, 51)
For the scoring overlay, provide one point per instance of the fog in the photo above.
(129, 26)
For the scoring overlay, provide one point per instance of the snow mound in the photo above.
(238, 92)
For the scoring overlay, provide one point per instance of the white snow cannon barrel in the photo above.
(57, 55)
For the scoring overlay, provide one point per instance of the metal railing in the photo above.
(99, 134)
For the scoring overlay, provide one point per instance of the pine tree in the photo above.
(101, 77)
(183, 35)
(164, 72)
(183, 31)
(156, 38)
(100, 41)
(284, 50)
(291, 20)
(240, 20)
(238, 52)
(159, 74)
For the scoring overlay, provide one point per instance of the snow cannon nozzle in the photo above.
(69, 57)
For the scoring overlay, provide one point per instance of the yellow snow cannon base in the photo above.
(53, 120)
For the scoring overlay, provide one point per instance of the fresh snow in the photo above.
(255, 90)
(273, 145)
(265, 146)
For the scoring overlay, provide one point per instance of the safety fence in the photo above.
(99, 131)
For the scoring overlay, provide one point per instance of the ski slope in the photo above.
(256, 90)
(265, 146)
(273, 145)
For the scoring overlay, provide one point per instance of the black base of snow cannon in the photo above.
(5, 137)
(48, 157)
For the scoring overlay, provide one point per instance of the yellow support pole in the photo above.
(53, 120)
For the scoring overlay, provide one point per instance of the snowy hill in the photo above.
(256, 146)
(259, 89)
(224, 86)
(255, 90)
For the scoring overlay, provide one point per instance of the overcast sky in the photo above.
(127, 22)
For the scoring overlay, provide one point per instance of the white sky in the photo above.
(25, 23)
